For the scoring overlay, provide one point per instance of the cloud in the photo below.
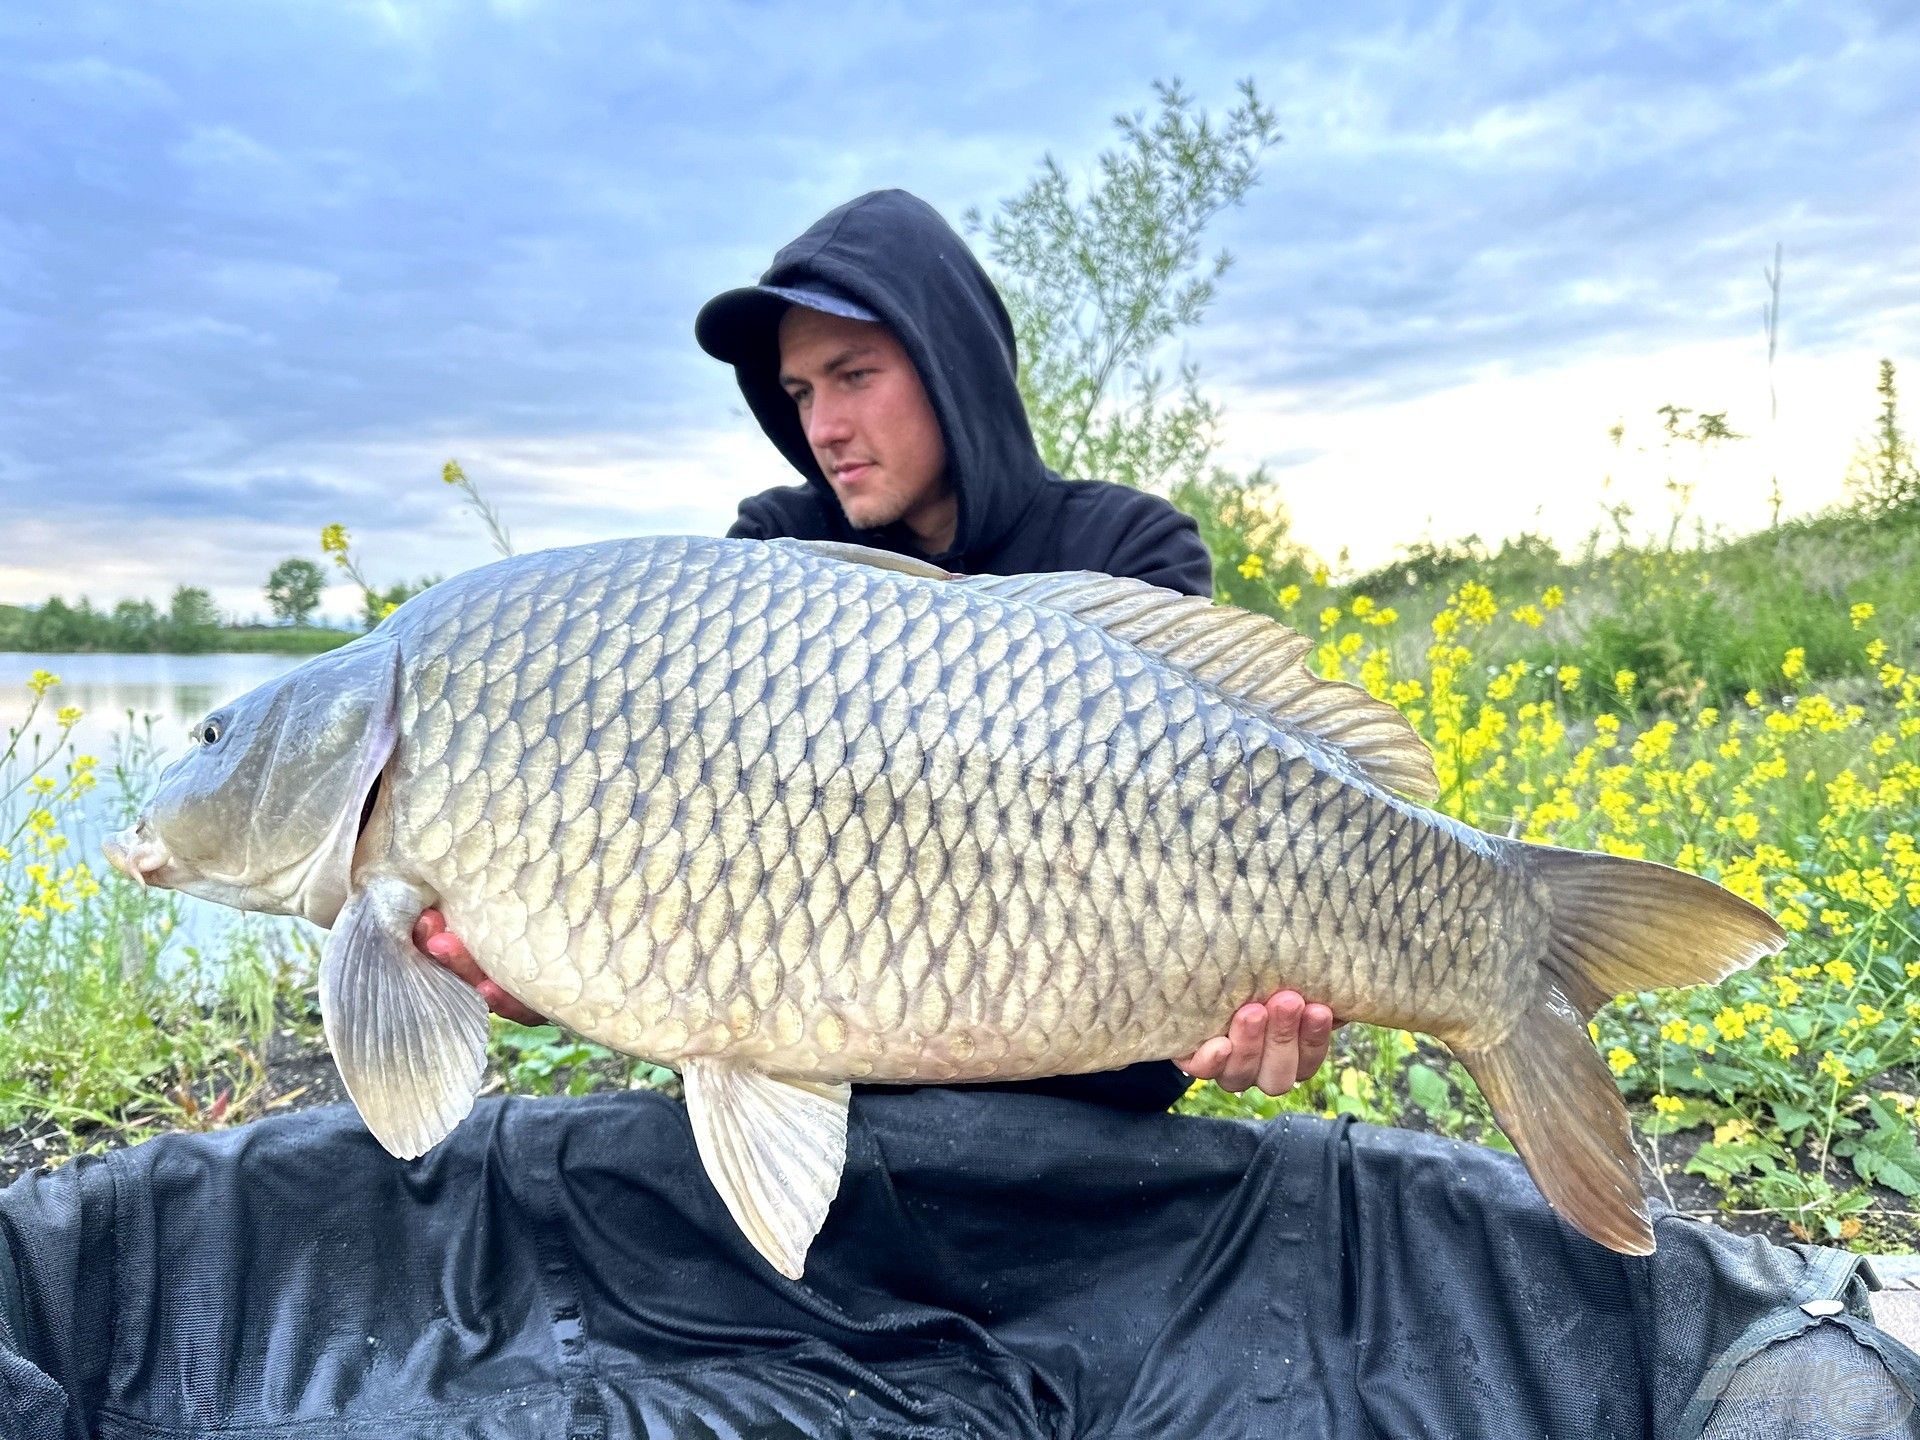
(268, 272)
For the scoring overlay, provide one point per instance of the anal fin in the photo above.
(773, 1148)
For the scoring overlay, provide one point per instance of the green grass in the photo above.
(107, 1021)
(280, 639)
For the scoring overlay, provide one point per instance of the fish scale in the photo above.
(790, 815)
(991, 786)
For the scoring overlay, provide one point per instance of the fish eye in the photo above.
(209, 731)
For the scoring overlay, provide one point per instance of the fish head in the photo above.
(264, 810)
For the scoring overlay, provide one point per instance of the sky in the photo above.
(264, 268)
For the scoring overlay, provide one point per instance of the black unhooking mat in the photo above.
(996, 1265)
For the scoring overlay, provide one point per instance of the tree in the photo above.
(1098, 284)
(1884, 475)
(191, 608)
(191, 620)
(55, 626)
(293, 590)
(136, 625)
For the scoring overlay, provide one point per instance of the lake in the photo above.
(171, 690)
(120, 695)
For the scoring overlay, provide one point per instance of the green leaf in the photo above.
(1882, 1169)
(1430, 1090)
(1791, 1118)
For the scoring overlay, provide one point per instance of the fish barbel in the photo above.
(785, 816)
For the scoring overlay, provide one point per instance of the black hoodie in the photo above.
(894, 254)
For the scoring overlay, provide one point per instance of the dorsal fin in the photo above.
(866, 555)
(1248, 657)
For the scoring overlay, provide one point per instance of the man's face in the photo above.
(866, 416)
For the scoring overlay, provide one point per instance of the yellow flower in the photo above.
(1655, 743)
(1832, 1065)
(1289, 597)
(1789, 989)
(1553, 598)
(1362, 606)
(1530, 616)
(1568, 676)
(1252, 568)
(40, 682)
(1667, 1105)
(1674, 1031)
(1620, 1061)
(334, 541)
(1795, 665)
(452, 474)
(1781, 1043)
(1841, 970)
(1860, 614)
(1753, 697)
(1623, 682)
(1385, 615)
(1319, 574)
(1869, 1014)
(1329, 617)
(1730, 1023)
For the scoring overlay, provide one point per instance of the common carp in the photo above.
(785, 816)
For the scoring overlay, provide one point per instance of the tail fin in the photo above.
(1617, 925)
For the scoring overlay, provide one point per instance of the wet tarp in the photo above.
(997, 1265)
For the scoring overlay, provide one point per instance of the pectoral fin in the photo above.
(409, 1038)
(774, 1149)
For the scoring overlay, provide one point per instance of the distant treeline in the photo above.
(189, 625)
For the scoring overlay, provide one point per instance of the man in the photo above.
(879, 359)
(566, 1268)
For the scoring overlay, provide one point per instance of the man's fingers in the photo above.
(430, 924)
(1205, 1063)
(1248, 1033)
(1316, 1035)
(506, 1007)
(1279, 1058)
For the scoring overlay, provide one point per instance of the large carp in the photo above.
(785, 816)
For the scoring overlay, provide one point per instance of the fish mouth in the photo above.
(139, 856)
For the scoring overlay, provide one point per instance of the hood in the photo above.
(893, 253)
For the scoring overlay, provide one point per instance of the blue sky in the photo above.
(263, 267)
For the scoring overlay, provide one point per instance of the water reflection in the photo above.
(121, 697)
(119, 692)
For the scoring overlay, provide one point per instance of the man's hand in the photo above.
(1272, 1047)
(431, 937)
